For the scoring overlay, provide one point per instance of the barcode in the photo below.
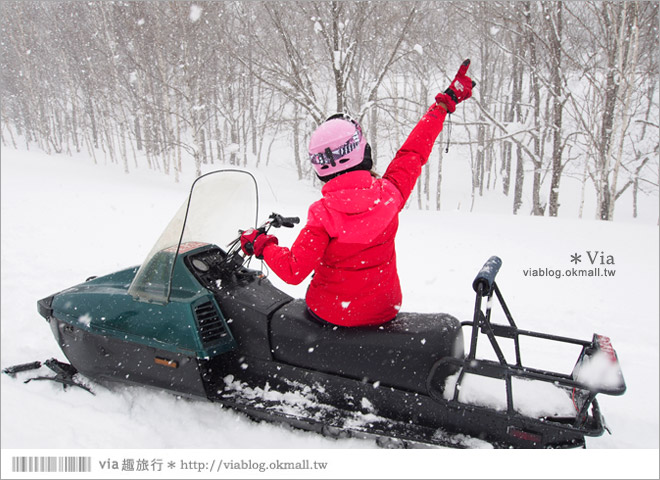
(51, 464)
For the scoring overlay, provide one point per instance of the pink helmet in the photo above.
(338, 145)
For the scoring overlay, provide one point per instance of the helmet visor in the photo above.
(332, 157)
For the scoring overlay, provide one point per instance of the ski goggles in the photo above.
(331, 157)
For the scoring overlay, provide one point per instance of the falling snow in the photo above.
(195, 13)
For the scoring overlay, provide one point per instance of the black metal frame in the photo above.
(583, 395)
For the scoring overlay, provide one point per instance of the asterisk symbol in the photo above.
(171, 465)
(576, 258)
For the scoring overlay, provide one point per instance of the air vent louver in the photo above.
(211, 326)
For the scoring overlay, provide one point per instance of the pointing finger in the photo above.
(464, 67)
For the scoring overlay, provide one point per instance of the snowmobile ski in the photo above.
(23, 367)
(64, 373)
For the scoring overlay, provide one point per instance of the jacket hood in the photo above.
(351, 193)
(361, 207)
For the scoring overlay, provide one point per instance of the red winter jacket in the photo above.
(348, 240)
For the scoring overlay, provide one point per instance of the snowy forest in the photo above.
(564, 88)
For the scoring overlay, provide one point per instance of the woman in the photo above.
(348, 240)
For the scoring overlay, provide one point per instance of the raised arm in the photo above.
(407, 165)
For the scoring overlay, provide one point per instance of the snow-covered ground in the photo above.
(65, 219)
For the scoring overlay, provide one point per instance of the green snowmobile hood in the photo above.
(103, 306)
(161, 304)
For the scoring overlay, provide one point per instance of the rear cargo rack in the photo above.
(578, 385)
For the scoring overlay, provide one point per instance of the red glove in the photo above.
(460, 89)
(254, 241)
(261, 242)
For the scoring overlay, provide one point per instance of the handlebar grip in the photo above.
(289, 222)
(486, 276)
(277, 221)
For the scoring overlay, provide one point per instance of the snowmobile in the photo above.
(196, 320)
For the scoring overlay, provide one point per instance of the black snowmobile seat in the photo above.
(398, 354)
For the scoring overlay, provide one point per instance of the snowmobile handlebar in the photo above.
(274, 220)
(486, 276)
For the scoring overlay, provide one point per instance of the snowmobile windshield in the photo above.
(219, 204)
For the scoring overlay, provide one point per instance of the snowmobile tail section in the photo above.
(496, 388)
